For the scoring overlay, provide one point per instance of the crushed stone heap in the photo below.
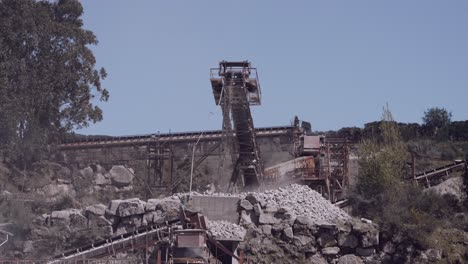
(297, 199)
(226, 230)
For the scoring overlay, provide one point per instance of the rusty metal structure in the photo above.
(321, 163)
(182, 240)
(235, 88)
(158, 152)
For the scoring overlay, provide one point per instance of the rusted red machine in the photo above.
(321, 163)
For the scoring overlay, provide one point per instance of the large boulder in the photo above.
(170, 206)
(347, 240)
(78, 221)
(245, 205)
(327, 240)
(113, 207)
(152, 217)
(121, 176)
(98, 209)
(130, 207)
(102, 179)
(151, 205)
(267, 219)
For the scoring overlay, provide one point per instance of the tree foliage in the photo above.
(48, 79)
(382, 160)
(436, 118)
(383, 194)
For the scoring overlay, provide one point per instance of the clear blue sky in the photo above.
(332, 63)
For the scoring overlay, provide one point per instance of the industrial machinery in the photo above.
(182, 240)
(321, 163)
(235, 88)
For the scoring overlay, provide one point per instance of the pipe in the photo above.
(193, 157)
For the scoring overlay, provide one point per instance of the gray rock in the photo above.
(104, 231)
(113, 207)
(170, 207)
(327, 225)
(370, 238)
(317, 259)
(28, 246)
(330, 251)
(433, 254)
(389, 248)
(98, 209)
(327, 240)
(304, 220)
(288, 234)
(98, 221)
(78, 221)
(62, 218)
(301, 230)
(151, 205)
(267, 219)
(100, 179)
(309, 249)
(303, 240)
(344, 226)
(253, 198)
(132, 222)
(347, 240)
(257, 209)
(360, 226)
(266, 229)
(121, 176)
(284, 209)
(270, 208)
(153, 217)
(350, 259)
(130, 207)
(120, 230)
(365, 252)
(248, 218)
(246, 205)
(87, 173)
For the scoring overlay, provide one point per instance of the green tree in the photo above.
(48, 79)
(382, 166)
(436, 118)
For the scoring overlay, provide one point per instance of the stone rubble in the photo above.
(292, 224)
(226, 230)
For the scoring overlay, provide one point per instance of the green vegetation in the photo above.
(48, 79)
(384, 194)
(437, 118)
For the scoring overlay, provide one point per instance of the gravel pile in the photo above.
(226, 230)
(301, 200)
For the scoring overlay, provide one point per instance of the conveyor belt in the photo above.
(167, 137)
(426, 176)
